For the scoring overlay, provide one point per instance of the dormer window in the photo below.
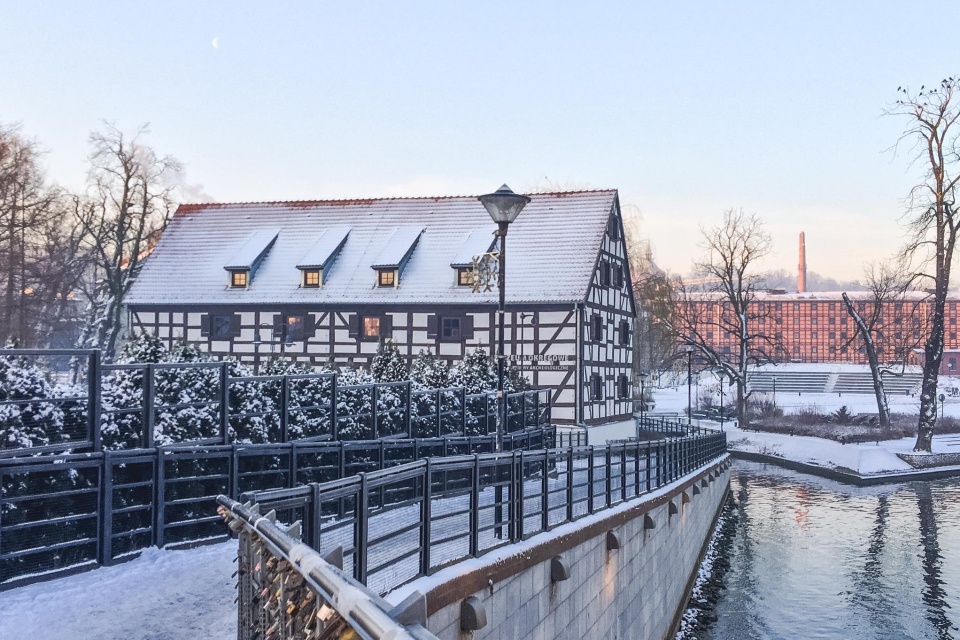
(311, 278)
(464, 277)
(386, 277)
(238, 279)
(242, 265)
(316, 265)
(395, 254)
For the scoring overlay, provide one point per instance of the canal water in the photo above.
(812, 558)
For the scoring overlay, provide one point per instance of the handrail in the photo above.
(276, 562)
(411, 519)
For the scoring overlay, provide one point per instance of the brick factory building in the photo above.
(815, 327)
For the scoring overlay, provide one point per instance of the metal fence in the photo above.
(63, 512)
(397, 524)
(139, 406)
(287, 591)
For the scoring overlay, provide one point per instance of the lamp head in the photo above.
(504, 205)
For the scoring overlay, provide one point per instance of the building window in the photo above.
(450, 328)
(222, 326)
(464, 277)
(624, 333)
(952, 364)
(387, 278)
(238, 279)
(371, 327)
(311, 277)
(623, 386)
(813, 320)
(596, 328)
(596, 387)
(289, 328)
(604, 273)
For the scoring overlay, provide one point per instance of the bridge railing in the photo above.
(59, 513)
(397, 524)
(287, 591)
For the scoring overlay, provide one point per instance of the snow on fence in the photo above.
(396, 524)
(130, 406)
(287, 591)
(63, 512)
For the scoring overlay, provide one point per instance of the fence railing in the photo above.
(62, 512)
(287, 591)
(407, 521)
(131, 406)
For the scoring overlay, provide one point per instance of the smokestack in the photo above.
(802, 267)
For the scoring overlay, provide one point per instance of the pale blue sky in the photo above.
(687, 108)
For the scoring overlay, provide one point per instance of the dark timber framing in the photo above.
(553, 343)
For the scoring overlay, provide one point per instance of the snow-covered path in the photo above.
(162, 595)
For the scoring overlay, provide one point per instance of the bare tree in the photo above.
(887, 286)
(725, 301)
(30, 226)
(932, 131)
(653, 346)
(128, 204)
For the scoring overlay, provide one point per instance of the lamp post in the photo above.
(689, 350)
(504, 206)
(643, 400)
(721, 399)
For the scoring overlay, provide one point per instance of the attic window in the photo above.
(464, 277)
(320, 257)
(238, 279)
(311, 278)
(386, 277)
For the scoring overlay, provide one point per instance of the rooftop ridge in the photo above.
(190, 207)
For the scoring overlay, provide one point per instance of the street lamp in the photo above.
(720, 375)
(643, 398)
(689, 350)
(504, 206)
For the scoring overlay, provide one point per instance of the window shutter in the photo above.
(309, 325)
(205, 324)
(466, 327)
(432, 321)
(278, 326)
(386, 326)
(235, 325)
(353, 325)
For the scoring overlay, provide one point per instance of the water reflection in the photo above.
(814, 558)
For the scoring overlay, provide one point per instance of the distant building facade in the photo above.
(815, 327)
(326, 282)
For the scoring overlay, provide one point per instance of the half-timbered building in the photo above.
(327, 281)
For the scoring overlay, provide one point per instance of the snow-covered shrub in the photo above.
(29, 422)
(304, 393)
(429, 371)
(475, 372)
(389, 365)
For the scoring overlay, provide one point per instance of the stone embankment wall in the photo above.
(636, 591)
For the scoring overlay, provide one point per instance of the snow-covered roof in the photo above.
(251, 249)
(477, 243)
(397, 249)
(325, 248)
(553, 247)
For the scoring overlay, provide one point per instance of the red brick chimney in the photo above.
(802, 267)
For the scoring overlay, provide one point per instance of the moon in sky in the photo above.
(216, 42)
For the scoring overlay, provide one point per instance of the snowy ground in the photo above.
(162, 595)
(868, 458)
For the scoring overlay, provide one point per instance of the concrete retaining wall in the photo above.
(635, 592)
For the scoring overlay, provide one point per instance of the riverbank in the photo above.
(865, 463)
